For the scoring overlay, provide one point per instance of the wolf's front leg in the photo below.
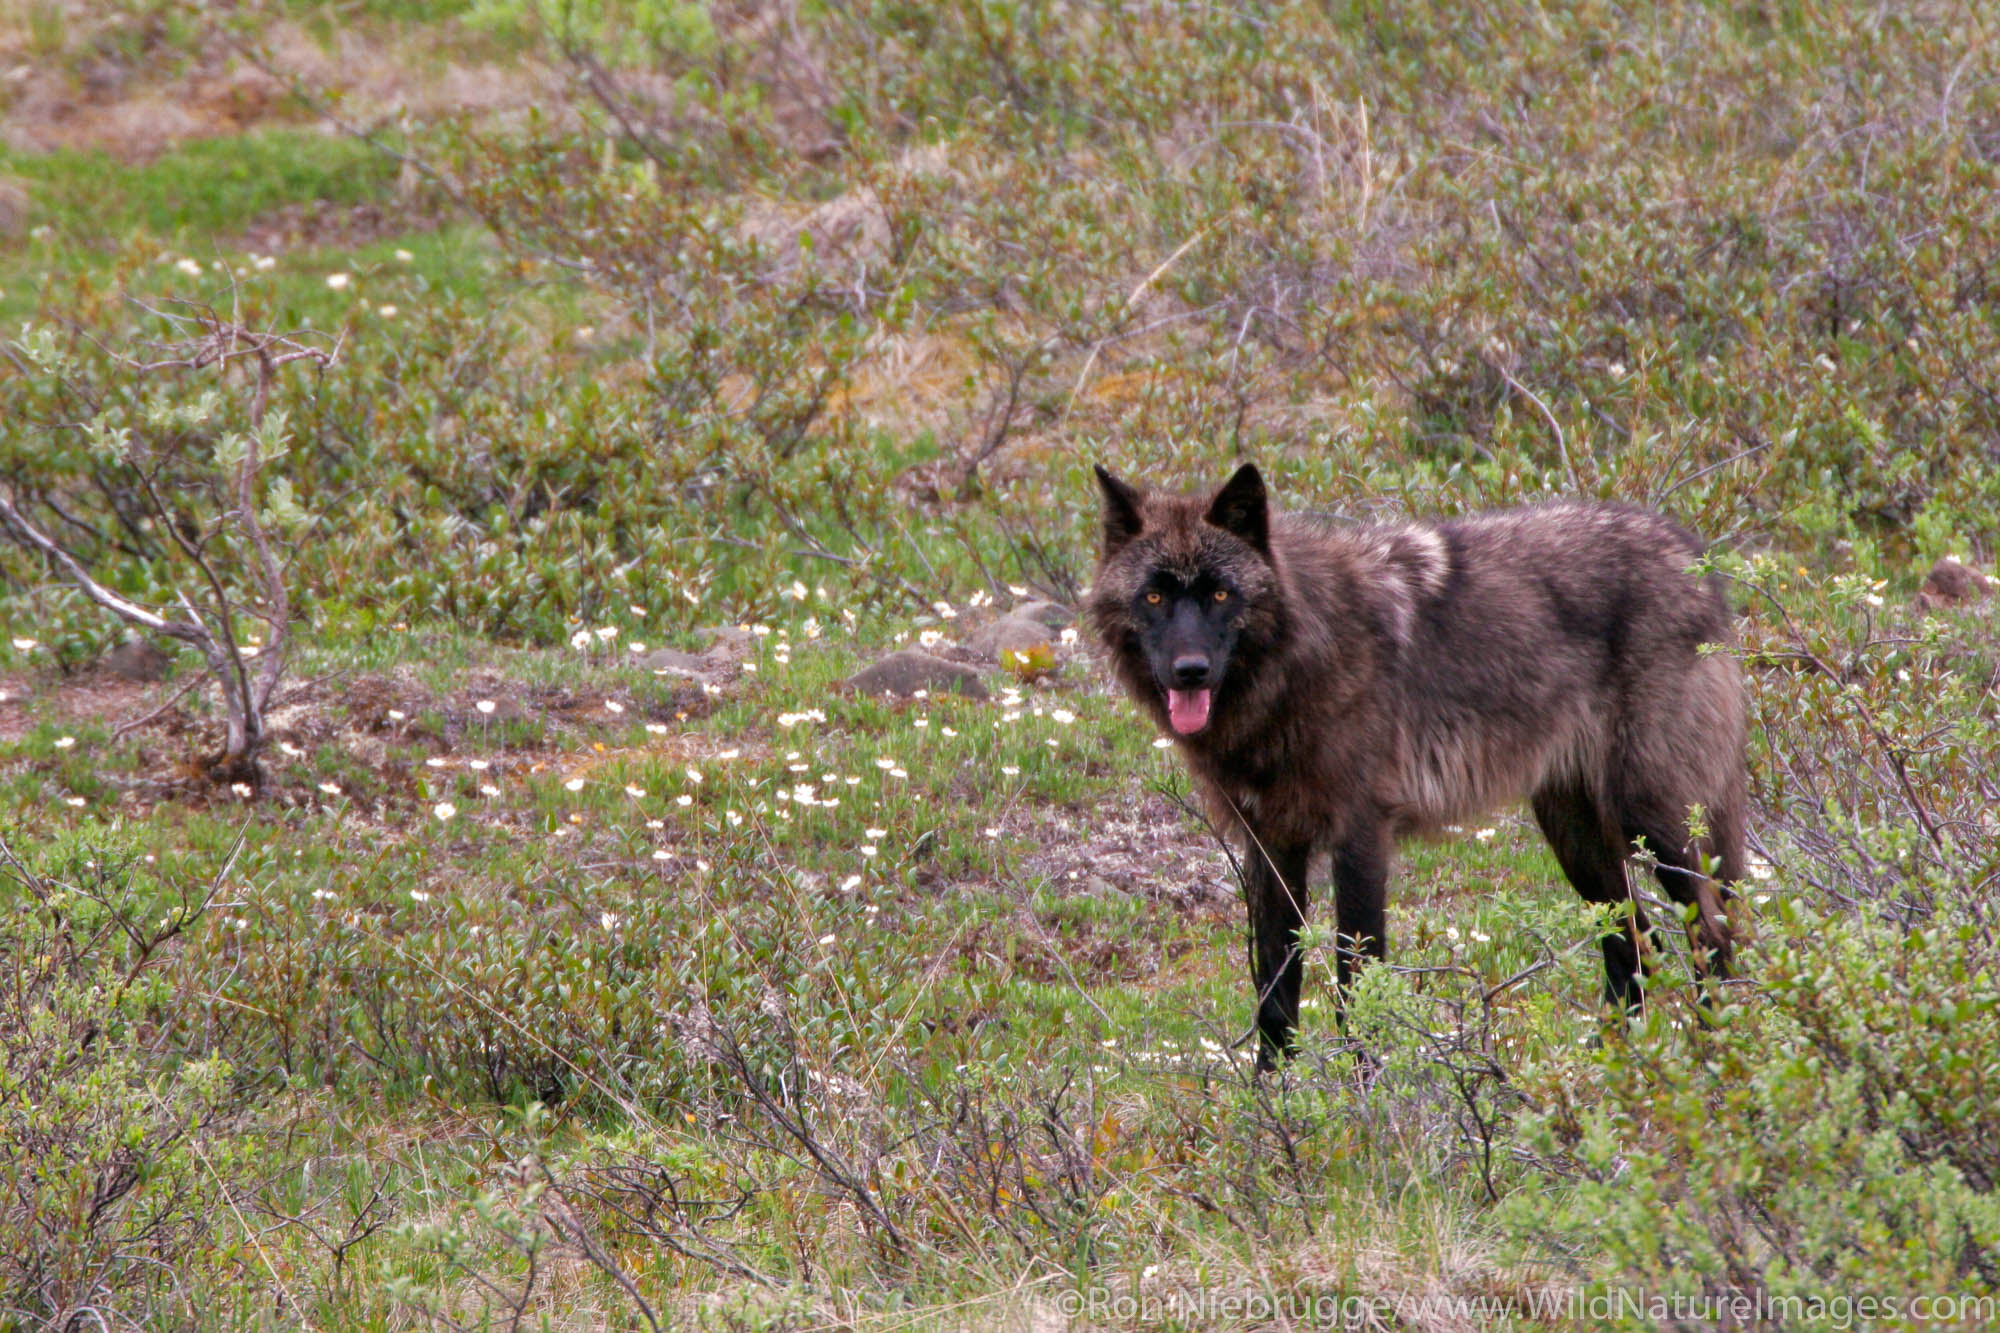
(1275, 890)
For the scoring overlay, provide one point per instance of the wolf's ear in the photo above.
(1241, 508)
(1121, 511)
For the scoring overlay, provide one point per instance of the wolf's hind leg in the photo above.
(1275, 891)
(1592, 851)
(1360, 892)
(1681, 863)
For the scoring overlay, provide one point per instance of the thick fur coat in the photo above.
(1336, 688)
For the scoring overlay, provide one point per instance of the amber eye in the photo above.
(1152, 599)
(1222, 594)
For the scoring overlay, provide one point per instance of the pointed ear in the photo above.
(1121, 511)
(1242, 508)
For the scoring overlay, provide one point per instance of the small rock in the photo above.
(713, 667)
(1099, 887)
(677, 663)
(1053, 614)
(139, 660)
(1952, 584)
(731, 639)
(1009, 634)
(908, 671)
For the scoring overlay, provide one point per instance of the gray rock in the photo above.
(731, 639)
(675, 662)
(139, 660)
(906, 672)
(713, 667)
(1053, 614)
(1010, 634)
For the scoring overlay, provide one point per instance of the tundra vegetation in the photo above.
(541, 958)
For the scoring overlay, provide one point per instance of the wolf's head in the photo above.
(1186, 597)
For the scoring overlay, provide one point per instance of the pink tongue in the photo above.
(1187, 710)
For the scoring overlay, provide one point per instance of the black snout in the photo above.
(1191, 671)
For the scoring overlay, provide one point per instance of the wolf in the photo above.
(1336, 688)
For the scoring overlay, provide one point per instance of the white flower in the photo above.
(683, 799)
(486, 705)
(850, 884)
(580, 639)
(444, 810)
(607, 632)
(330, 788)
(242, 789)
(397, 715)
(488, 789)
(73, 800)
(338, 281)
(477, 765)
(1161, 743)
(868, 849)
(1486, 834)
(635, 792)
(264, 263)
(656, 728)
(608, 920)
(613, 706)
(64, 742)
(24, 645)
(386, 311)
(190, 267)
(290, 749)
(419, 896)
(694, 775)
(885, 764)
(574, 784)
(1063, 715)
(828, 939)
(404, 256)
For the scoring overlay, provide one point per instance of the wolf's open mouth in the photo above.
(1187, 710)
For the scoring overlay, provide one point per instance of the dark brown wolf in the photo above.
(1336, 688)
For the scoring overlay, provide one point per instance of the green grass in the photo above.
(201, 190)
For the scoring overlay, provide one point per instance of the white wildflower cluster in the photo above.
(790, 720)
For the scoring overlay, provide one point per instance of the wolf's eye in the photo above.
(1222, 594)
(1152, 599)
